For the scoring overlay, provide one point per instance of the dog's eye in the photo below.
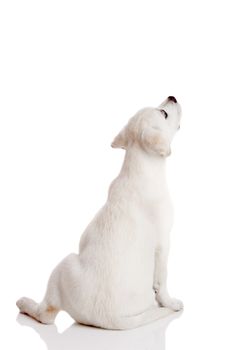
(164, 113)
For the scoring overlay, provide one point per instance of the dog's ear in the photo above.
(121, 140)
(154, 140)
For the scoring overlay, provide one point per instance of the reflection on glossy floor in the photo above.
(82, 337)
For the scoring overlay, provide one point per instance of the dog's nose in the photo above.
(172, 98)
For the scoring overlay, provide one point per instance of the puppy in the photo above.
(118, 279)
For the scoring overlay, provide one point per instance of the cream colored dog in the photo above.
(118, 279)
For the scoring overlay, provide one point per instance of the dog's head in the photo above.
(152, 128)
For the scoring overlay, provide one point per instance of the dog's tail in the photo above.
(153, 314)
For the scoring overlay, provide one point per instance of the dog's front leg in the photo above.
(160, 281)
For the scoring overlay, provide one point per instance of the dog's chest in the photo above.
(154, 217)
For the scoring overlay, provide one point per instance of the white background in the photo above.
(72, 73)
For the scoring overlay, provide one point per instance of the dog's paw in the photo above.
(171, 303)
(175, 304)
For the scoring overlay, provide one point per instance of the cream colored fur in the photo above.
(118, 279)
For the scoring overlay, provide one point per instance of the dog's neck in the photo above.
(138, 164)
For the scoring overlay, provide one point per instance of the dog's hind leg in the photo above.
(41, 312)
(47, 310)
(62, 283)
